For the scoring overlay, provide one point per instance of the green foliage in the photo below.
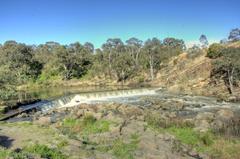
(32, 151)
(226, 65)
(18, 60)
(7, 93)
(45, 152)
(214, 51)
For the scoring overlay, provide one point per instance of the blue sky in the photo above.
(66, 21)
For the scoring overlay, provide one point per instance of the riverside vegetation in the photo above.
(115, 63)
(167, 128)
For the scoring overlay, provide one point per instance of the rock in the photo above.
(203, 121)
(205, 116)
(224, 114)
(202, 126)
(23, 115)
(133, 127)
(45, 120)
(80, 113)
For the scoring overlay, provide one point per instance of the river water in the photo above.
(53, 98)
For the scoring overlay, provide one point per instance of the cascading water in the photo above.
(95, 97)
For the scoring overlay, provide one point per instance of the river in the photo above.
(52, 98)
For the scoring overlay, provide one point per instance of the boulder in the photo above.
(224, 114)
(45, 120)
(203, 121)
(202, 126)
(205, 116)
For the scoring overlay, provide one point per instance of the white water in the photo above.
(96, 97)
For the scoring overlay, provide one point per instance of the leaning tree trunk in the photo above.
(230, 81)
(151, 67)
(136, 59)
(110, 65)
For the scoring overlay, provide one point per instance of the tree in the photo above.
(19, 59)
(110, 47)
(73, 59)
(234, 35)
(227, 66)
(203, 40)
(123, 66)
(152, 48)
(134, 46)
(89, 47)
(172, 47)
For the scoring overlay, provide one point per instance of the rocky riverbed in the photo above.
(151, 127)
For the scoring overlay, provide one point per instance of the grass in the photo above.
(225, 149)
(33, 151)
(87, 125)
(4, 153)
(121, 149)
(199, 141)
(45, 152)
(215, 145)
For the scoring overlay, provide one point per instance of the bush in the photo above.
(45, 152)
(214, 51)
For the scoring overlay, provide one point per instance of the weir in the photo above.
(94, 97)
(74, 100)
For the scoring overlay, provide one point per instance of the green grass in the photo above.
(45, 152)
(42, 151)
(86, 126)
(3, 153)
(121, 149)
(215, 146)
(199, 141)
(34, 150)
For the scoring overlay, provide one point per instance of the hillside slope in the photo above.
(192, 75)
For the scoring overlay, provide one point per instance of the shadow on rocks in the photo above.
(5, 141)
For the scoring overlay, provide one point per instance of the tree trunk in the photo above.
(136, 59)
(151, 67)
(110, 64)
(230, 81)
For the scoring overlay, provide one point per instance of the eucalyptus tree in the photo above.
(111, 47)
(100, 64)
(89, 47)
(203, 41)
(123, 66)
(173, 47)
(134, 46)
(226, 65)
(18, 60)
(234, 35)
(74, 60)
(152, 49)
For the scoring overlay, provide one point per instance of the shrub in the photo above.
(45, 152)
(214, 51)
